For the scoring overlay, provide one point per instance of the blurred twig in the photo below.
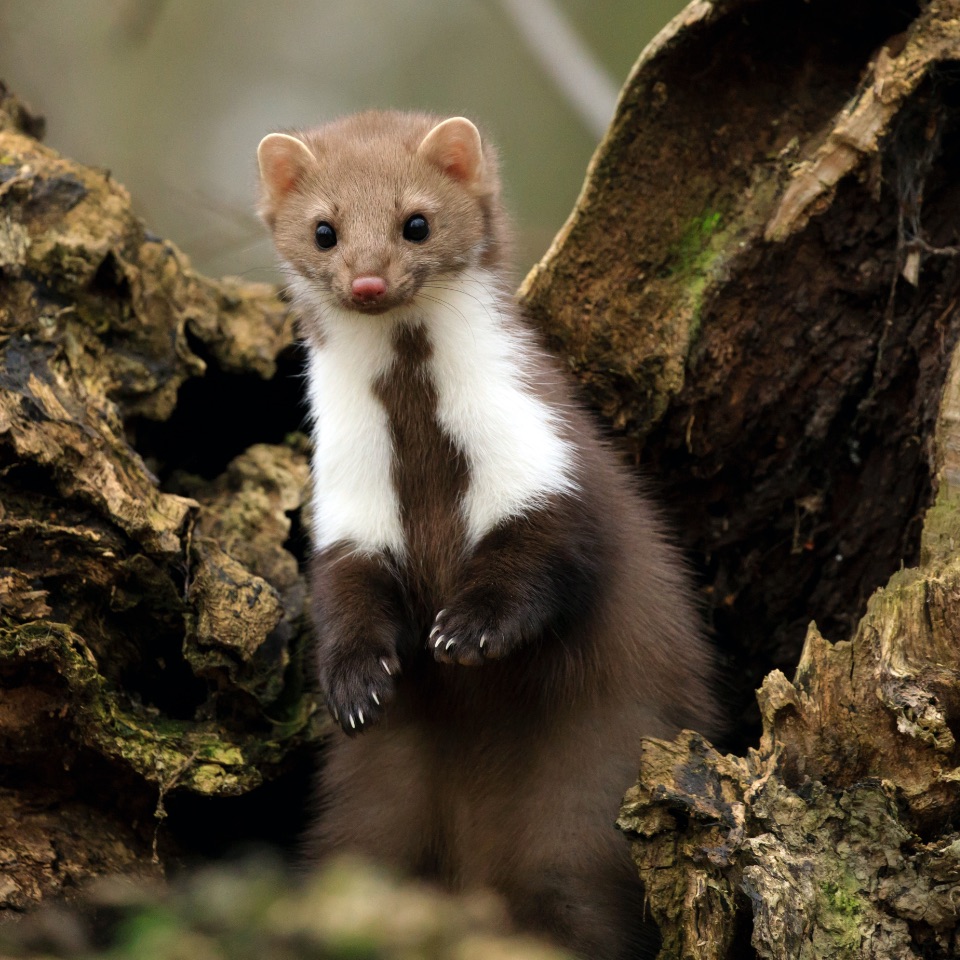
(568, 61)
(137, 19)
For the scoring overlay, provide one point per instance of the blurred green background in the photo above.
(173, 96)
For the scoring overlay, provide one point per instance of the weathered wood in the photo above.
(782, 391)
(776, 342)
(148, 638)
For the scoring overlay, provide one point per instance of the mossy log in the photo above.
(758, 289)
(151, 607)
(775, 336)
(250, 909)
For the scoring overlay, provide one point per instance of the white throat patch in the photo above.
(353, 495)
(479, 365)
(481, 370)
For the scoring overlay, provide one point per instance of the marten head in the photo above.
(370, 208)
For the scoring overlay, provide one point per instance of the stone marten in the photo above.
(499, 615)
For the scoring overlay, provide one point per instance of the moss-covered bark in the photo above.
(837, 836)
(758, 342)
(148, 637)
(796, 301)
(250, 910)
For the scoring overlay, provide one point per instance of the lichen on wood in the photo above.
(161, 623)
(835, 836)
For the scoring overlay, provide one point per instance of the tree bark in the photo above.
(759, 289)
(759, 286)
(151, 633)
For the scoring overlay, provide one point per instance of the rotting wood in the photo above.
(802, 381)
(160, 633)
(782, 393)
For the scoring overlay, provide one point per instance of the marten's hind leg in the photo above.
(374, 800)
(600, 917)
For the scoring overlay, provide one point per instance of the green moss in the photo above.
(199, 757)
(250, 909)
(840, 910)
(841, 901)
(149, 933)
(691, 252)
(693, 258)
(941, 527)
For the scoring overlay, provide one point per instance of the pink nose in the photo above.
(368, 288)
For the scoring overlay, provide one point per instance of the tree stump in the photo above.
(151, 608)
(759, 287)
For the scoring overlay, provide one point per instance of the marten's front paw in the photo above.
(471, 633)
(358, 687)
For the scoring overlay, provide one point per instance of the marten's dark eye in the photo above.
(325, 236)
(416, 229)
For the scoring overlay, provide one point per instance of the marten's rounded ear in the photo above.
(282, 159)
(454, 146)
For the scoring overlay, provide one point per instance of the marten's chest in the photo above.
(430, 431)
(428, 472)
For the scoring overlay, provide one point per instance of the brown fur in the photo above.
(380, 181)
(506, 767)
